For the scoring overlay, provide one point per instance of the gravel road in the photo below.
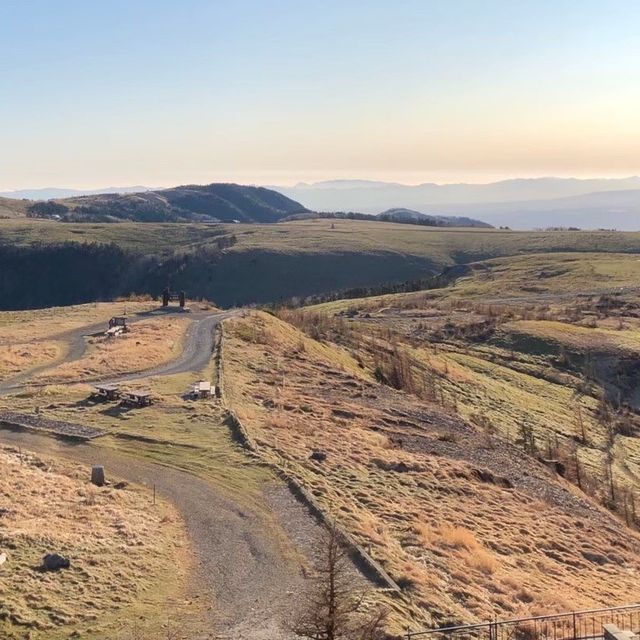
(198, 347)
(242, 569)
(196, 354)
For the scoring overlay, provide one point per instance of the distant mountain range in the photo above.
(191, 203)
(521, 203)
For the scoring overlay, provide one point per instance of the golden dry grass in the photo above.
(17, 358)
(149, 343)
(409, 481)
(23, 326)
(119, 545)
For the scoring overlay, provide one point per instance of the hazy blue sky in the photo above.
(158, 93)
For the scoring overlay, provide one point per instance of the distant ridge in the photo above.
(416, 217)
(49, 193)
(190, 203)
(520, 203)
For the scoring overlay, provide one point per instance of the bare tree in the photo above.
(333, 608)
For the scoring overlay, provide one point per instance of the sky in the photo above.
(158, 93)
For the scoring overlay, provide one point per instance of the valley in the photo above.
(49, 263)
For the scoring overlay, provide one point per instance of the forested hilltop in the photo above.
(191, 203)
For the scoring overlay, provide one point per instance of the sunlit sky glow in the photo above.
(279, 91)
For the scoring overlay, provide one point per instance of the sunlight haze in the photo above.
(160, 93)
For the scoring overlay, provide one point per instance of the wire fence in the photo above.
(577, 625)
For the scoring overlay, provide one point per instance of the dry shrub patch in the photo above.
(122, 549)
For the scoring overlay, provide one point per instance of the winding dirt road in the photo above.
(247, 574)
(196, 353)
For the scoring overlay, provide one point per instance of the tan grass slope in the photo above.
(122, 549)
(469, 525)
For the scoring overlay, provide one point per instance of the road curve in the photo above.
(196, 353)
(242, 574)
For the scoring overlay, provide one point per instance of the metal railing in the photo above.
(577, 625)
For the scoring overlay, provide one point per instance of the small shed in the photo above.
(107, 391)
(202, 390)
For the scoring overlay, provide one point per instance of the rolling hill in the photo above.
(10, 208)
(416, 217)
(190, 203)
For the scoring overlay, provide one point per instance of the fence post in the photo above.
(575, 630)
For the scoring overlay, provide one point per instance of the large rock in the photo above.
(54, 561)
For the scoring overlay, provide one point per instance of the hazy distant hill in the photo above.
(374, 197)
(191, 203)
(49, 193)
(608, 209)
(416, 217)
(522, 203)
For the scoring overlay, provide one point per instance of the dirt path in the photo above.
(196, 353)
(243, 568)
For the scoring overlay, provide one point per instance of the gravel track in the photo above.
(254, 577)
(195, 356)
(198, 347)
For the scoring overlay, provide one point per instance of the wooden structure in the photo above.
(117, 325)
(172, 296)
(137, 398)
(113, 392)
(107, 391)
(201, 390)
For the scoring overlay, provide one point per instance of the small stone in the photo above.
(3, 558)
(54, 561)
(320, 456)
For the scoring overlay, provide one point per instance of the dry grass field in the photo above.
(321, 236)
(38, 324)
(20, 357)
(469, 524)
(150, 343)
(119, 544)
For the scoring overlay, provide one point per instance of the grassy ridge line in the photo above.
(246, 264)
(317, 236)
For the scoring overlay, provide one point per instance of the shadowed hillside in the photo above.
(191, 203)
(49, 263)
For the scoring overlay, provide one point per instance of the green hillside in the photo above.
(240, 264)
